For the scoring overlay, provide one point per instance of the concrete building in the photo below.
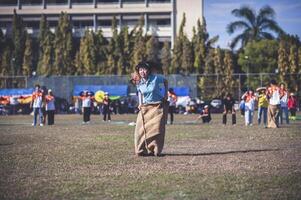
(162, 17)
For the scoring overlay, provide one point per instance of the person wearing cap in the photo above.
(36, 104)
(262, 106)
(229, 108)
(249, 99)
(283, 104)
(153, 106)
(205, 114)
(50, 107)
(106, 107)
(86, 106)
(273, 95)
(172, 99)
(292, 105)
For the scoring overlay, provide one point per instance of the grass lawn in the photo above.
(97, 161)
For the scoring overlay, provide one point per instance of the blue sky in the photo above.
(218, 16)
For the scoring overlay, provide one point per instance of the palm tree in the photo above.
(254, 27)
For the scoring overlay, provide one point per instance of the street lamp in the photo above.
(248, 83)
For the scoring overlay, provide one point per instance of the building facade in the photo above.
(161, 17)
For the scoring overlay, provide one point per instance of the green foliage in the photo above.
(63, 46)
(6, 62)
(152, 49)
(88, 53)
(27, 59)
(261, 57)
(18, 38)
(254, 27)
(166, 58)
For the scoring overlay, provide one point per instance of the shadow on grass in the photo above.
(219, 153)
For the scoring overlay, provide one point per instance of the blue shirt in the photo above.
(151, 89)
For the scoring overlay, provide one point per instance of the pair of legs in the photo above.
(262, 112)
(293, 113)
(233, 116)
(171, 110)
(50, 117)
(249, 116)
(86, 114)
(283, 110)
(106, 112)
(36, 112)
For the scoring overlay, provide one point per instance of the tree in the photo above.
(6, 58)
(187, 58)
(262, 57)
(293, 69)
(101, 52)
(178, 48)
(88, 53)
(166, 58)
(63, 46)
(152, 49)
(218, 61)
(229, 69)
(254, 27)
(27, 60)
(139, 50)
(283, 61)
(45, 65)
(18, 38)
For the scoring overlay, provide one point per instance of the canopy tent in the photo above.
(16, 92)
(113, 90)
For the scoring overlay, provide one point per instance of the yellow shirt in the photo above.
(263, 101)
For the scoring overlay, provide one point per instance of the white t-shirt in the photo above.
(86, 102)
(38, 100)
(275, 98)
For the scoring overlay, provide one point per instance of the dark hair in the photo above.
(37, 85)
(143, 65)
(273, 82)
(170, 90)
(229, 95)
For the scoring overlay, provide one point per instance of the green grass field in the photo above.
(97, 161)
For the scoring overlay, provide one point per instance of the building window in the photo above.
(8, 2)
(82, 1)
(108, 1)
(31, 2)
(5, 24)
(105, 23)
(56, 2)
(82, 24)
(159, 1)
(133, 1)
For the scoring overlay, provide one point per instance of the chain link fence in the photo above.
(204, 86)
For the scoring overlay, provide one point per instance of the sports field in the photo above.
(97, 161)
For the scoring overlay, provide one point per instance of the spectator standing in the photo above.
(292, 105)
(36, 104)
(283, 104)
(50, 107)
(262, 106)
(229, 108)
(172, 99)
(106, 108)
(249, 99)
(273, 94)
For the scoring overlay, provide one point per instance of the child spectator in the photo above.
(292, 105)
(249, 99)
(50, 107)
(172, 99)
(262, 106)
(106, 108)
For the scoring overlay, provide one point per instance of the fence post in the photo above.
(239, 86)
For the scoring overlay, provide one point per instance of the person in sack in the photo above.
(153, 107)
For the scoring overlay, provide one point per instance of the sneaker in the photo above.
(109, 120)
(41, 124)
(33, 124)
(88, 122)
